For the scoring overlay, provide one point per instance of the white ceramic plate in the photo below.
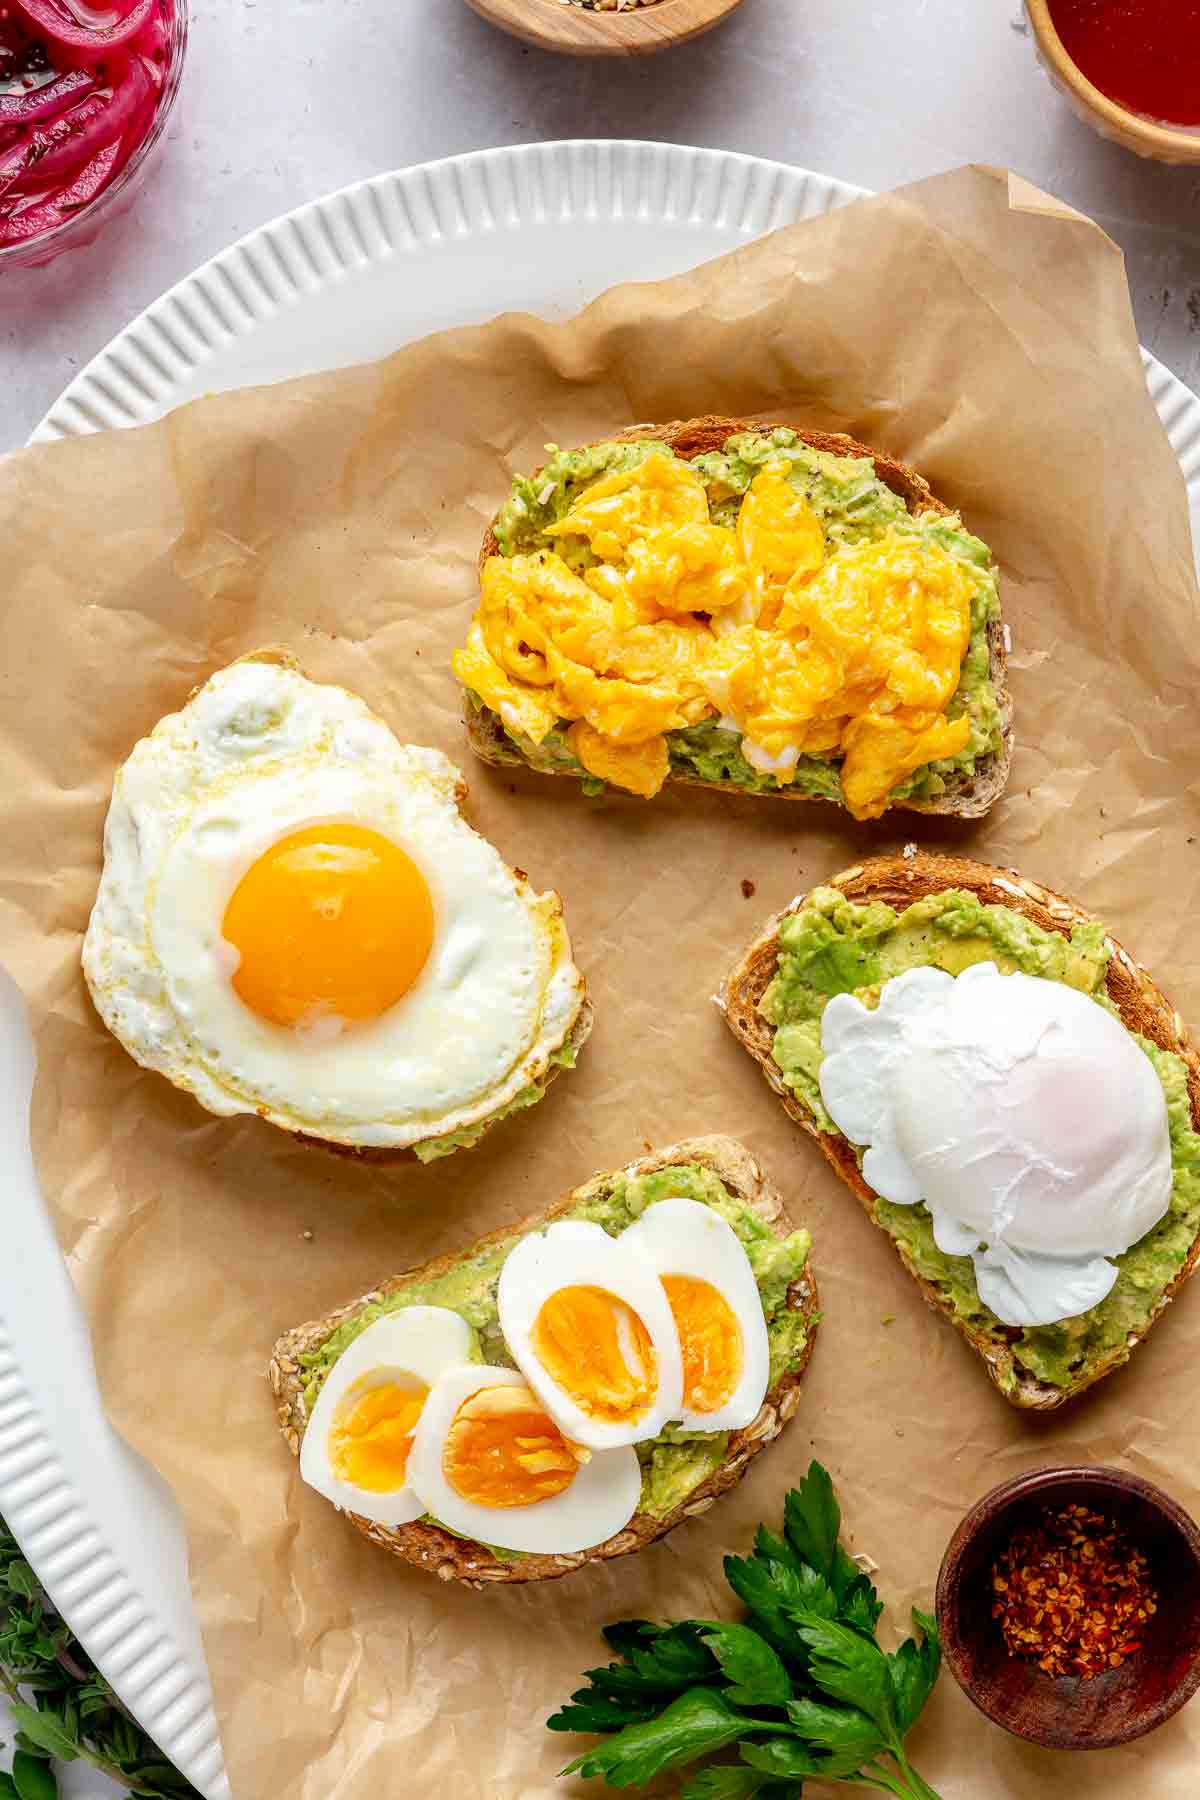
(544, 228)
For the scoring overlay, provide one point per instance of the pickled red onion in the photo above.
(77, 136)
(14, 163)
(46, 102)
(30, 220)
(55, 19)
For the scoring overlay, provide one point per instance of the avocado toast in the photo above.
(895, 912)
(859, 497)
(682, 1472)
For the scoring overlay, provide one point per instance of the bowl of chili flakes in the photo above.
(1068, 1603)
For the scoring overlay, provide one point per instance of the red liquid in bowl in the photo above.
(1144, 54)
(79, 90)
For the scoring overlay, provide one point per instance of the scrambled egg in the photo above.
(853, 655)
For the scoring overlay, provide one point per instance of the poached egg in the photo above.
(1020, 1112)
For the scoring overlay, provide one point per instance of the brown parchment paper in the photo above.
(969, 325)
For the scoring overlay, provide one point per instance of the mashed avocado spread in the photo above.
(854, 507)
(431, 1148)
(676, 1462)
(834, 946)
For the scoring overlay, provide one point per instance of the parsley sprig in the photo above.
(800, 1688)
(64, 1709)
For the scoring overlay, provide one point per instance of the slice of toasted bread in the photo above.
(967, 796)
(453, 1558)
(899, 881)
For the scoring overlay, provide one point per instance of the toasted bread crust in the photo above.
(459, 1559)
(965, 797)
(1143, 1007)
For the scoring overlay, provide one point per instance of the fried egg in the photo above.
(490, 1463)
(587, 1321)
(294, 920)
(358, 1443)
(717, 1309)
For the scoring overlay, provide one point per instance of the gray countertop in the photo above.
(284, 100)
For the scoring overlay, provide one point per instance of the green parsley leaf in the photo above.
(812, 1519)
(590, 1711)
(773, 1548)
(861, 1605)
(627, 1632)
(806, 1652)
(697, 1722)
(753, 1670)
(673, 1660)
(844, 1735)
(811, 1593)
(767, 1589)
(8, 1787)
(785, 1757)
(851, 1668)
(724, 1781)
(915, 1667)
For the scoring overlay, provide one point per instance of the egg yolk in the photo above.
(334, 921)
(370, 1442)
(710, 1339)
(598, 1351)
(502, 1450)
(850, 651)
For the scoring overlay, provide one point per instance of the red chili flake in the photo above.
(1071, 1593)
(747, 889)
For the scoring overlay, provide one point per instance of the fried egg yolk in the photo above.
(334, 921)
(371, 1439)
(598, 1351)
(502, 1449)
(849, 651)
(710, 1339)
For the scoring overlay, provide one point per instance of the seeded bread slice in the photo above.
(966, 796)
(1143, 1007)
(453, 1558)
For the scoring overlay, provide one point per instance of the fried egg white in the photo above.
(490, 1463)
(294, 920)
(717, 1309)
(358, 1442)
(587, 1322)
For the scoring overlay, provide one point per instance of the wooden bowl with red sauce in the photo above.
(1129, 68)
(1068, 1712)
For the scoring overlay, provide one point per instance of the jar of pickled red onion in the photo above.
(85, 93)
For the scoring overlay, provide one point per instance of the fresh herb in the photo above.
(64, 1709)
(800, 1688)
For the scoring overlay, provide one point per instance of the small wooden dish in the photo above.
(1063, 1711)
(634, 31)
(1165, 143)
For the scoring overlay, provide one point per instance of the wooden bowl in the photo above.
(635, 31)
(1063, 1711)
(1165, 143)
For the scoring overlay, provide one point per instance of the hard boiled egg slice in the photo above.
(587, 1322)
(489, 1462)
(717, 1310)
(358, 1443)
